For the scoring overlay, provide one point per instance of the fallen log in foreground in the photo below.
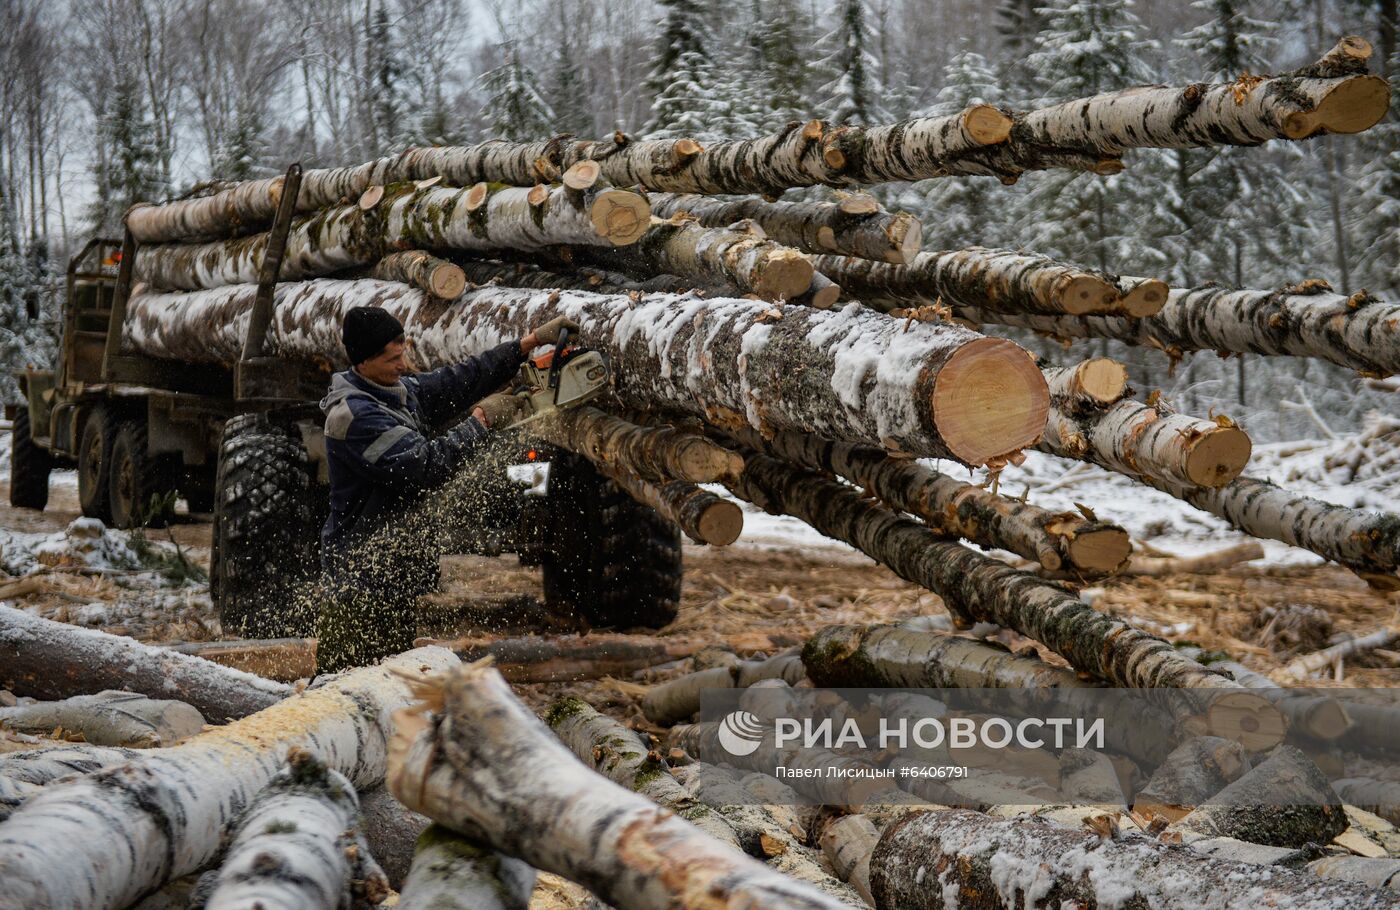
(298, 846)
(450, 872)
(121, 832)
(929, 389)
(465, 770)
(678, 699)
(974, 862)
(50, 660)
(108, 719)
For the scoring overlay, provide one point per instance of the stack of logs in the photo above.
(811, 358)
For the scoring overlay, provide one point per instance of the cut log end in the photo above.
(447, 281)
(477, 195)
(908, 246)
(1218, 456)
(859, 204)
(538, 195)
(986, 124)
(1101, 379)
(784, 275)
(1107, 167)
(370, 198)
(620, 217)
(686, 149)
(1353, 106)
(1247, 718)
(1147, 299)
(722, 523)
(989, 400)
(823, 297)
(1087, 294)
(1099, 551)
(582, 174)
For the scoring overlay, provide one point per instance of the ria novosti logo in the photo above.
(740, 733)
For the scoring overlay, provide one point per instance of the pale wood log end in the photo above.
(989, 400)
(620, 217)
(986, 124)
(1217, 456)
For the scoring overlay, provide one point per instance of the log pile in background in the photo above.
(799, 353)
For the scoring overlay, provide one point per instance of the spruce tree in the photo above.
(127, 167)
(1088, 47)
(568, 97)
(385, 76)
(24, 304)
(240, 156)
(686, 99)
(1376, 203)
(855, 90)
(961, 211)
(515, 108)
(780, 33)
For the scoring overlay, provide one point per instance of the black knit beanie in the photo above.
(367, 331)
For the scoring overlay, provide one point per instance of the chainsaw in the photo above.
(561, 378)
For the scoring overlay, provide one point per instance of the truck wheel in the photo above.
(607, 557)
(29, 466)
(269, 539)
(94, 464)
(139, 486)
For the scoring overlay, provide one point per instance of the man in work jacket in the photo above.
(384, 455)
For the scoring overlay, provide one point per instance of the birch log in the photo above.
(50, 660)
(1090, 385)
(450, 872)
(936, 390)
(166, 812)
(650, 453)
(298, 847)
(1146, 441)
(619, 754)
(1358, 332)
(1284, 801)
(998, 281)
(1056, 540)
(679, 699)
(974, 586)
(973, 862)
(23, 774)
(743, 259)
(1308, 664)
(856, 226)
(704, 517)
(108, 719)
(1368, 543)
(1333, 96)
(424, 271)
(464, 770)
(478, 219)
(1191, 774)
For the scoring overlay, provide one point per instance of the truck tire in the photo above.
(139, 486)
(29, 466)
(608, 558)
(94, 464)
(265, 514)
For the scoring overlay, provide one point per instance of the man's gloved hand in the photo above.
(549, 332)
(498, 410)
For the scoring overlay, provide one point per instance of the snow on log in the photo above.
(50, 660)
(1368, 543)
(1056, 540)
(451, 872)
(650, 453)
(973, 586)
(679, 699)
(619, 754)
(1331, 96)
(1283, 801)
(1308, 664)
(705, 517)
(478, 219)
(1358, 332)
(108, 719)
(121, 832)
(999, 281)
(465, 770)
(1149, 441)
(743, 259)
(298, 846)
(855, 226)
(964, 859)
(929, 389)
(424, 271)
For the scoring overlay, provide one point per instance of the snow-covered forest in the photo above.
(107, 102)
